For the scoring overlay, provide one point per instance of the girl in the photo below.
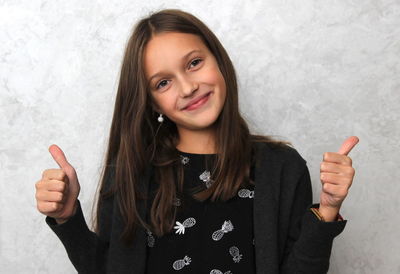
(186, 188)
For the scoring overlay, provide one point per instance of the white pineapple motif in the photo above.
(206, 178)
(150, 238)
(246, 193)
(179, 264)
(226, 227)
(234, 251)
(176, 202)
(180, 227)
(217, 271)
(184, 159)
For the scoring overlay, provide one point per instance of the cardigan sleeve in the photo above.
(309, 242)
(87, 251)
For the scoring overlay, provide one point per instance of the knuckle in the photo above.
(50, 185)
(349, 160)
(322, 166)
(39, 207)
(42, 208)
(63, 186)
(41, 183)
(54, 206)
(39, 196)
(60, 175)
(59, 197)
(45, 173)
(63, 174)
(347, 172)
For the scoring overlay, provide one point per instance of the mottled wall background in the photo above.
(311, 72)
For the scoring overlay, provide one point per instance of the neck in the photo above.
(199, 142)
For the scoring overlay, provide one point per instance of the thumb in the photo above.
(348, 145)
(59, 156)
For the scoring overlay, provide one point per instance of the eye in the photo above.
(161, 84)
(195, 62)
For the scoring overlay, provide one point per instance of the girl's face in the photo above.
(185, 81)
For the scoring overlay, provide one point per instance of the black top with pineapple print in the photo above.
(209, 237)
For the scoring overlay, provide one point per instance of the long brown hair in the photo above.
(137, 141)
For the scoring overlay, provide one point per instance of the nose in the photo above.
(188, 86)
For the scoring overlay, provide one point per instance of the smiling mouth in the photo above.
(199, 102)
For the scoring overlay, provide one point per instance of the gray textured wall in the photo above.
(311, 72)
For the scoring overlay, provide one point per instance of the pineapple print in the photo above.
(150, 239)
(184, 159)
(176, 202)
(179, 264)
(180, 227)
(234, 251)
(245, 193)
(206, 178)
(226, 227)
(217, 271)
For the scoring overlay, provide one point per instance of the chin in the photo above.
(203, 124)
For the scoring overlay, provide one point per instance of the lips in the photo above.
(194, 101)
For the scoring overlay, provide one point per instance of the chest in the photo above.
(208, 236)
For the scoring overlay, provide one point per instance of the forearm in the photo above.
(86, 250)
(309, 241)
(311, 251)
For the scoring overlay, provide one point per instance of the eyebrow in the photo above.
(184, 57)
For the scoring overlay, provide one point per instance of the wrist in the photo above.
(63, 220)
(327, 214)
(60, 220)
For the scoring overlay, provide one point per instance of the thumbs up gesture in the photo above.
(58, 189)
(336, 177)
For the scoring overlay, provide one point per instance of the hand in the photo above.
(57, 192)
(337, 176)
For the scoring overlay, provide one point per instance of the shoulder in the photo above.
(108, 177)
(279, 155)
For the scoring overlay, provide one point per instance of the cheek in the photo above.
(165, 102)
(214, 75)
(157, 103)
(219, 79)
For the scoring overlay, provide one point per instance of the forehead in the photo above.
(167, 49)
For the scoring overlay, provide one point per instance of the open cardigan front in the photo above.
(288, 236)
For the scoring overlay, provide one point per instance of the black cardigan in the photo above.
(288, 237)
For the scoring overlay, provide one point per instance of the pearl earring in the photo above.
(160, 118)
